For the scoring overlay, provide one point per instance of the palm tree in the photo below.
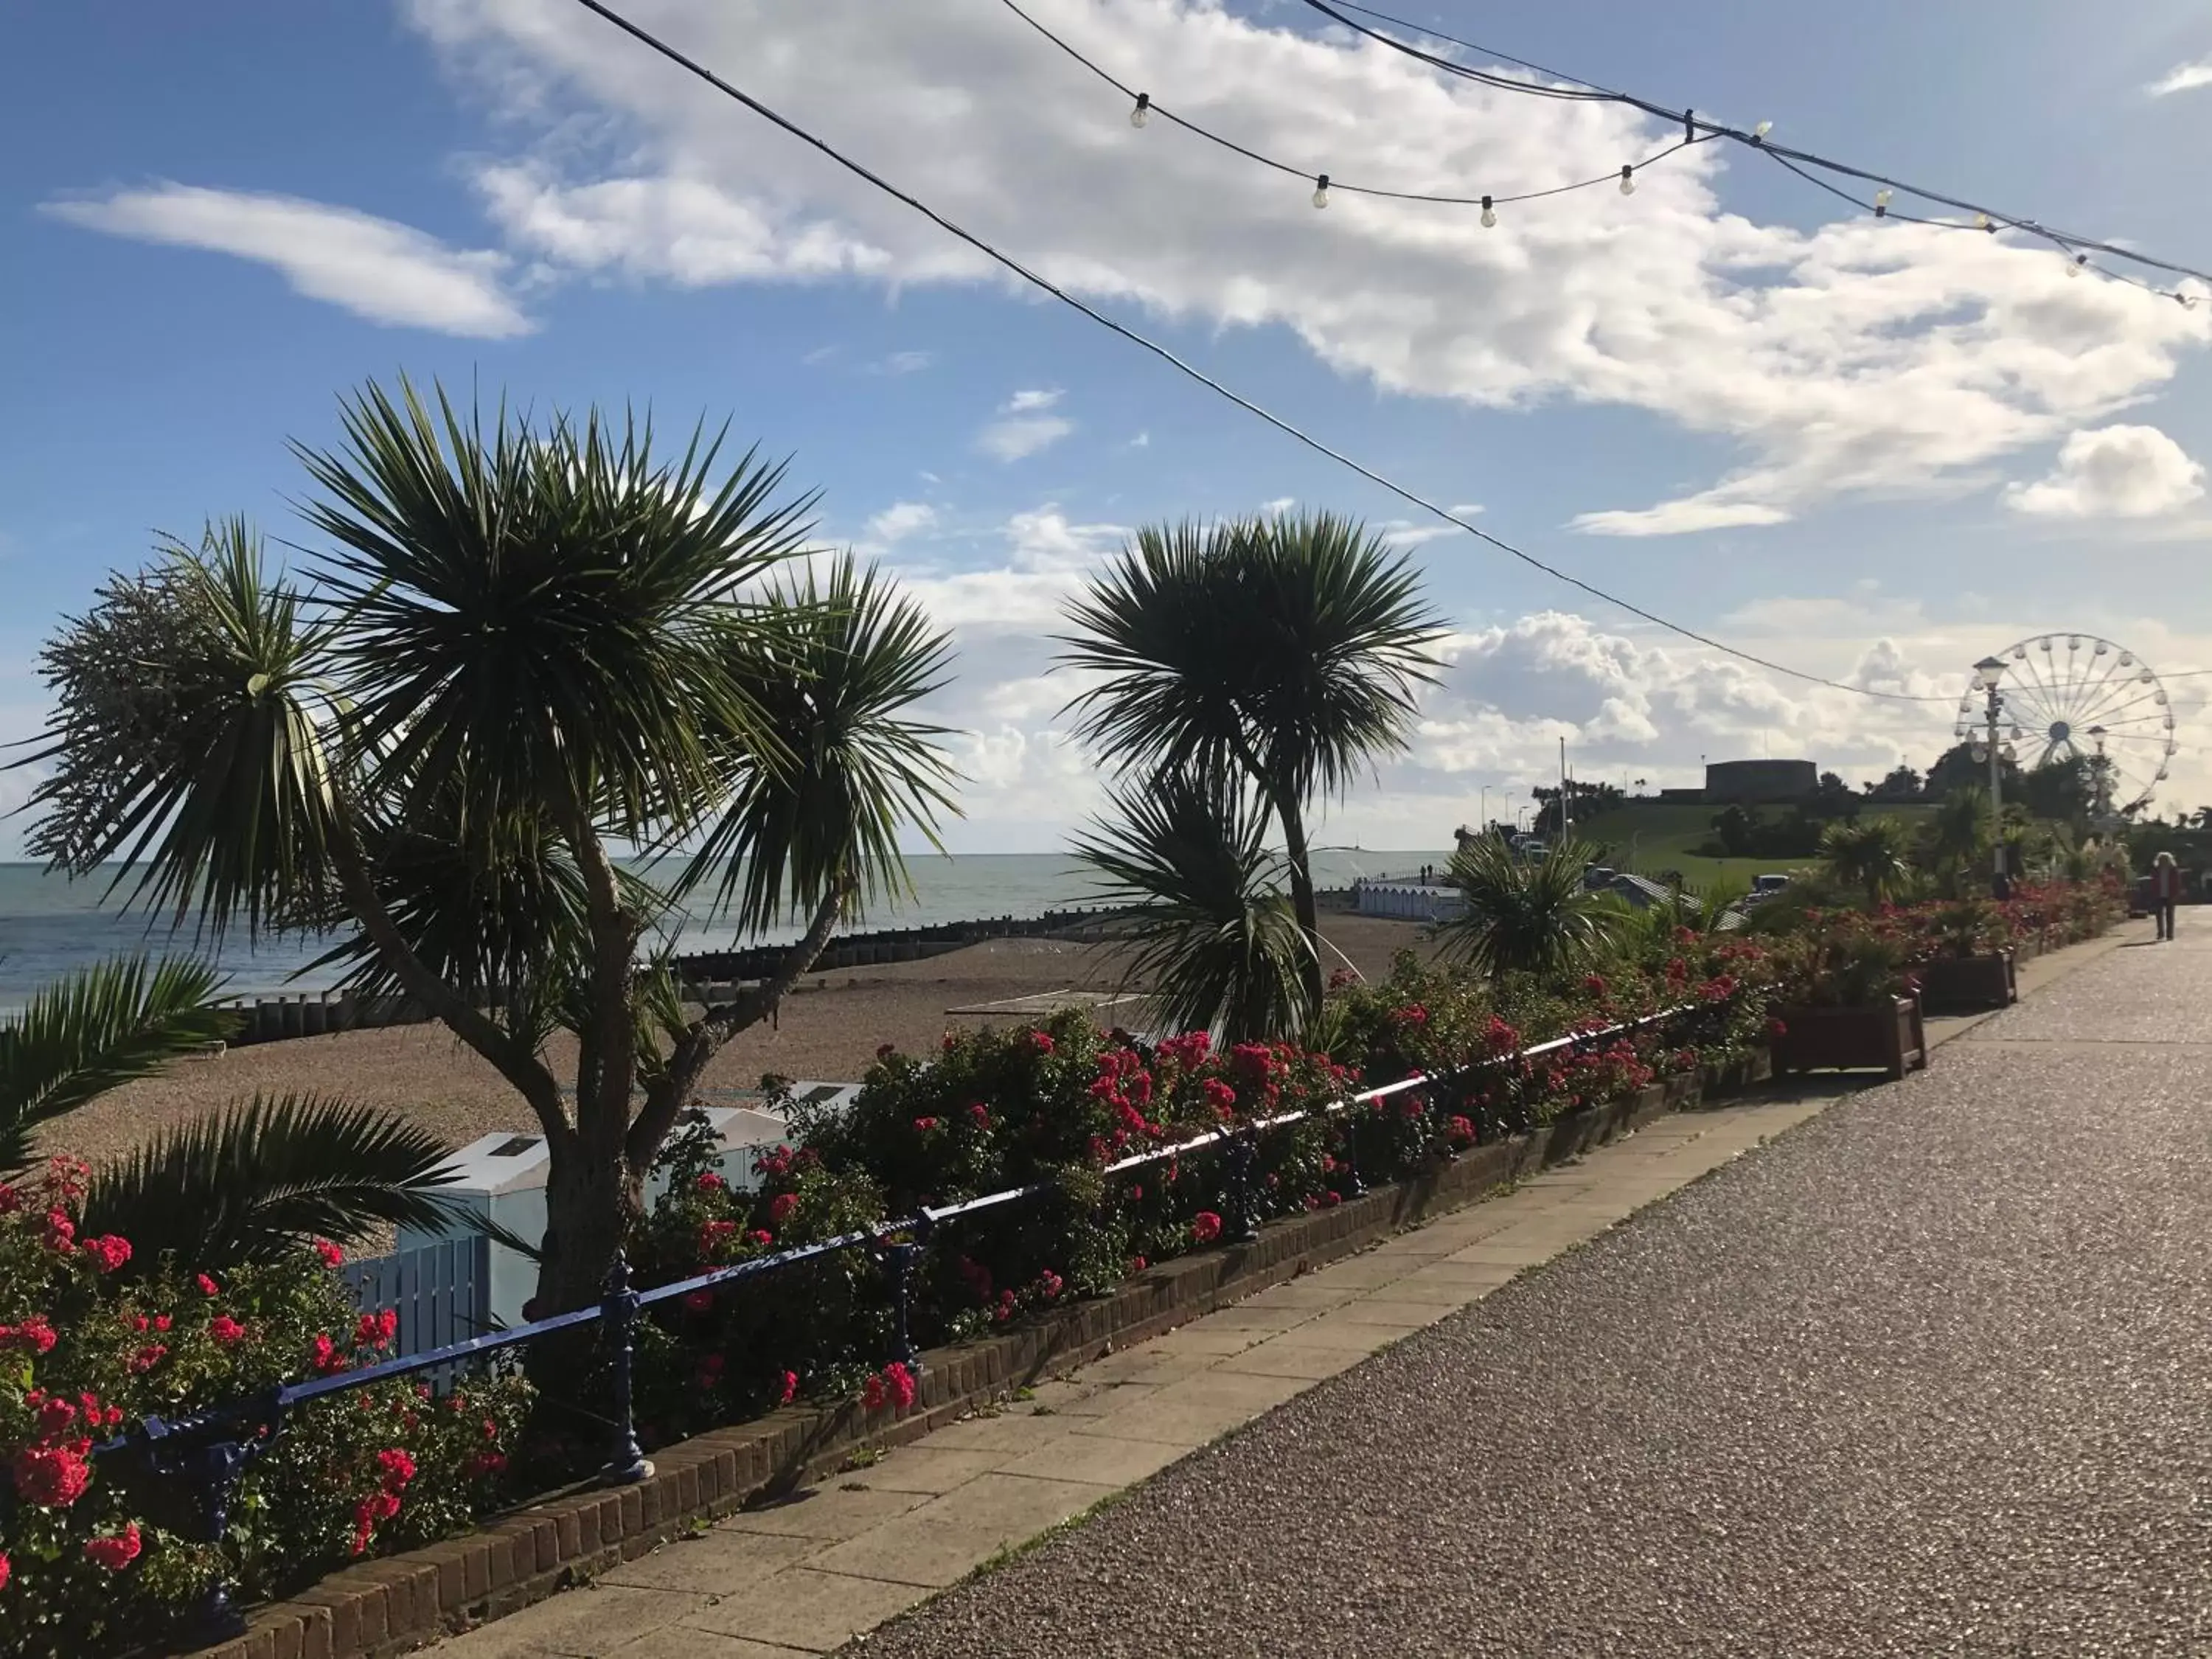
(1957, 835)
(521, 649)
(1870, 853)
(1287, 649)
(1213, 939)
(1526, 916)
(241, 1186)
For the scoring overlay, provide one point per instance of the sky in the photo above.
(1868, 451)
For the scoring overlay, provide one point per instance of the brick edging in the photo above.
(404, 1601)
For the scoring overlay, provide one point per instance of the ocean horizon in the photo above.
(50, 924)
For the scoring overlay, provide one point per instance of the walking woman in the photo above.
(2165, 892)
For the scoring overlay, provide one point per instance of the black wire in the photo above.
(1693, 123)
(1314, 175)
(1211, 385)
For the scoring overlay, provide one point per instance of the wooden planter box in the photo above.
(1882, 1037)
(1968, 985)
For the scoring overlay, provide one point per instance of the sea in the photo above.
(50, 924)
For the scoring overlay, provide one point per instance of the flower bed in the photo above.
(92, 1342)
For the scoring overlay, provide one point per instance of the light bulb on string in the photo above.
(1759, 133)
(1143, 112)
(1321, 189)
(1489, 213)
(1881, 200)
(2074, 265)
(1628, 180)
(1982, 223)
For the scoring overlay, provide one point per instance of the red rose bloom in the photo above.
(780, 1206)
(1043, 1042)
(114, 1553)
(34, 1334)
(207, 1286)
(790, 1388)
(4, 1570)
(1206, 1226)
(708, 1182)
(109, 1251)
(331, 1254)
(52, 1476)
(226, 1329)
(147, 1358)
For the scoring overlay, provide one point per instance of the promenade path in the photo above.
(1926, 1375)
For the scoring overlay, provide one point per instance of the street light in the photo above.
(1988, 675)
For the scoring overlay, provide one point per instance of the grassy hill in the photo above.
(1645, 837)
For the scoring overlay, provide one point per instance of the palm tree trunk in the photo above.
(1302, 895)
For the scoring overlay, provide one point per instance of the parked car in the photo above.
(1764, 888)
(1529, 847)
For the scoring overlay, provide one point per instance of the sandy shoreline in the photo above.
(829, 1030)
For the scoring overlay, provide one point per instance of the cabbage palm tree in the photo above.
(1873, 854)
(524, 648)
(1531, 917)
(239, 1186)
(1213, 939)
(1286, 650)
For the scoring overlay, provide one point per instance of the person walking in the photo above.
(2165, 892)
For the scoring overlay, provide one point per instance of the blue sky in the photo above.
(1876, 459)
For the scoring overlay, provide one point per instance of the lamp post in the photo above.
(1988, 675)
(1485, 820)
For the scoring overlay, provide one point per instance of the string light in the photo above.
(1321, 191)
(1628, 181)
(1806, 165)
(1143, 112)
(2074, 265)
(1489, 215)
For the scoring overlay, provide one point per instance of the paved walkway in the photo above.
(1636, 1445)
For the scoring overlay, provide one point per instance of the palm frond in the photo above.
(834, 665)
(252, 1181)
(96, 1029)
(1873, 854)
(543, 606)
(1526, 916)
(1213, 937)
(189, 746)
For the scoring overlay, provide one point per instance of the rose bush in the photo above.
(94, 1558)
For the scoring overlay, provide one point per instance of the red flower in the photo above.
(713, 1234)
(1594, 984)
(761, 1236)
(700, 1301)
(1137, 1264)
(1042, 1040)
(108, 1250)
(207, 1286)
(1219, 1096)
(873, 1393)
(1206, 1226)
(884, 1051)
(10, 1201)
(116, 1551)
(979, 1115)
(331, 1254)
(54, 1476)
(55, 1414)
(1777, 1028)
(790, 1388)
(376, 1330)
(1461, 1132)
(899, 1383)
(34, 1333)
(398, 1467)
(147, 1358)
(60, 1230)
(708, 1182)
(484, 1463)
(4, 1569)
(226, 1329)
(924, 1125)
(780, 1206)
(1050, 1283)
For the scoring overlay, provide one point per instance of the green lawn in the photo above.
(1645, 837)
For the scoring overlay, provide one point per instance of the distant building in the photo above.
(1761, 782)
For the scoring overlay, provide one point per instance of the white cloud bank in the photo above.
(1860, 358)
(1026, 428)
(2115, 472)
(2185, 77)
(387, 272)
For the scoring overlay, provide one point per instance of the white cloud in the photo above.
(2185, 77)
(903, 362)
(1026, 403)
(1020, 436)
(1857, 358)
(386, 272)
(900, 520)
(1404, 535)
(2116, 472)
(1280, 505)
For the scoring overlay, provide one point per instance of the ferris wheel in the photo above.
(2065, 698)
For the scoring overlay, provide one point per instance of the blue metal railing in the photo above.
(205, 1455)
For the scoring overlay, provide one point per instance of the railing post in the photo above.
(1352, 1187)
(1242, 1225)
(627, 1465)
(196, 1465)
(900, 1258)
